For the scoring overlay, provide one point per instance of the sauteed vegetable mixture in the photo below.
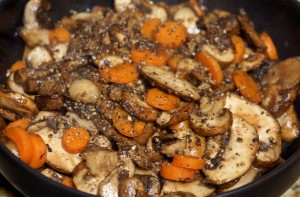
(148, 99)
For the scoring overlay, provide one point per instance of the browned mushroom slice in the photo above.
(167, 81)
(84, 180)
(215, 147)
(136, 152)
(181, 114)
(146, 134)
(183, 142)
(283, 77)
(196, 188)
(238, 155)
(247, 178)
(13, 86)
(110, 185)
(185, 66)
(252, 62)
(17, 104)
(151, 183)
(179, 194)
(131, 186)
(211, 118)
(224, 56)
(249, 29)
(289, 123)
(134, 105)
(49, 102)
(285, 73)
(269, 134)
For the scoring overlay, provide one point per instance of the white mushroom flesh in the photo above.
(269, 134)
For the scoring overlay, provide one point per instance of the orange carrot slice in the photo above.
(172, 172)
(21, 123)
(61, 35)
(146, 57)
(149, 27)
(18, 65)
(125, 124)
(22, 141)
(171, 34)
(189, 162)
(212, 65)
(271, 50)
(162, 100)
(239, 46)
(121, 73)
(75, 139)
(39, 153)
(246, 86)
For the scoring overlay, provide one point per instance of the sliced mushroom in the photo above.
(238, 155)
(88, 124)
(215, 148)
(158, 12)
(37, 56)
(249, 29)
(224, 57)
(51, 128)
(84, 90)
(134, 105)
(59, 51)
(188, 18)
(108, 60)
(49, 102)
(110, 185)
(97, 165)
(122, 5)
(284, 78)
(289, 124)
(131, 186)
(16, 104)
(151, 183)
(181, 114)
(253, 61)
(285, 73)
(197, 188)
(84, 180)
(13, 86)
(166, 80)
(146, 134)
(269, 134)
(247, 178)
(183, 142)
(54, 175)
(184, 67)
(35, 37)
(211, 118)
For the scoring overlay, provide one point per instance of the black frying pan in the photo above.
(280, 18)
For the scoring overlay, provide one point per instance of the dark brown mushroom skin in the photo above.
(280, 85)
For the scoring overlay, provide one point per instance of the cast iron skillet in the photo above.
(280, 18)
